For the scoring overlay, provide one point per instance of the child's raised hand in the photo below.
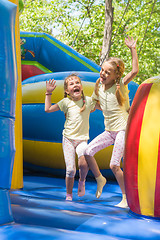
(130, 42)
(50, 85)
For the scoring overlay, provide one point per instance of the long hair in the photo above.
(66, 86)
(118, 66)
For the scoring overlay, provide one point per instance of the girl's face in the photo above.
(107, 75)
(74, 88)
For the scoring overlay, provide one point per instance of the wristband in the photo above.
(48, 93)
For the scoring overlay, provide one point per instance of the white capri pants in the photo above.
(70, 148)
(106, 139)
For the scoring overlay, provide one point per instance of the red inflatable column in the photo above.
(142, 150)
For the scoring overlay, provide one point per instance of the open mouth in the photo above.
(102, 78)
(76, 90)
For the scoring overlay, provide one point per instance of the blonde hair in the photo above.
(118, 66)
(66, 86)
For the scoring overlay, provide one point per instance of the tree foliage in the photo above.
(63, 19)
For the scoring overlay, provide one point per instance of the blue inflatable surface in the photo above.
(41, 212)
(53, 54)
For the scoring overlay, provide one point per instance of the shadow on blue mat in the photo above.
(41, 212)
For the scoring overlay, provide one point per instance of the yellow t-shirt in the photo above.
(115, 116)
(77, 123)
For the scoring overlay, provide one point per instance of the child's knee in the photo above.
(82, 164)
(70, 173)
(88, 152)
(114, 168)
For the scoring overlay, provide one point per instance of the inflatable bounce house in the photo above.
(33, 206)
(41, 138)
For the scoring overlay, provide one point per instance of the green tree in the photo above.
(81, 24)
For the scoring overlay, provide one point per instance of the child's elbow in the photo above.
(47, 110)
(135, 72)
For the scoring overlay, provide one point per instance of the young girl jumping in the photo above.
(112, 93)
(76, 108)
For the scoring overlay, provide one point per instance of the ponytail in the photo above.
(84, 103)
(119, 95)
(96, 88)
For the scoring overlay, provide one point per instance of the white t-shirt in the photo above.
(115, 116)
(77, 123)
